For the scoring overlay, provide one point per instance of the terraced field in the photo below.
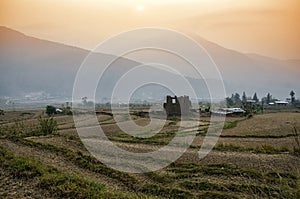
(257, 157)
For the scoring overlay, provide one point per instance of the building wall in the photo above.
(176, 106)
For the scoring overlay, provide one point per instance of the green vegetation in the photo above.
(262, 184)
(158, 139)
(166, 192)
(21, 128)
(159, 178)
(83, 161)
(50, 110)
(230, 125)
(47, 126)
(260, 149)
(297, 140)
(258, 136)
(59, 184)
(255, 189)
(18, 129)
(66, 186)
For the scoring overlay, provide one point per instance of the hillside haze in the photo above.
(30, 65)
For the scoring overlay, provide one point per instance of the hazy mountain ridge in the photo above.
(33, 65)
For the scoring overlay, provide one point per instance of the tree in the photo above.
(229, 101)
(50, 110)
(269, 98)
(236, 98)
(255, 98)
(292, 94)
(244, 97)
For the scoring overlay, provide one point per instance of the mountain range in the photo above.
(30, 65)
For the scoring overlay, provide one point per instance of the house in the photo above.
(281, 103)
(58, 111)
(177, 106)
(229, 112)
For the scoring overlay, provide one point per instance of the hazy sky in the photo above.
(267, 27)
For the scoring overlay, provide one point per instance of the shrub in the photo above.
(50, 110)
(47, 126)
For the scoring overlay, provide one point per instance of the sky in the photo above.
(266, 27)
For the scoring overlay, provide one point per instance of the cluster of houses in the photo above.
(229, 112)
(177, 106)
(279, 103)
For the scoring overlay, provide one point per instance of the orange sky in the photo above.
(267, 27)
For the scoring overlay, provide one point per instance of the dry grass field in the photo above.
(255, 157)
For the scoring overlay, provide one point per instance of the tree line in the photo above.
(237, 100)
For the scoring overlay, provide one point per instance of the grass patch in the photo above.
(188, 170)
(252, 189)
(165, 192)
(20, 167)
(257, 136)
(46, 126)
(267, 184)
(18, 129)
(181, 169)
(122, 137)
(83, 161)
(260, 149)
(216, 195)
(230, 125)
(70, 186)
(297, 151)
(159, 178)
(59, 184)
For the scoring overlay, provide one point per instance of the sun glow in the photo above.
(139, 8)
(262, 26)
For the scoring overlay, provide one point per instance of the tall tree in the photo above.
(244, 97)
(269, 98)
(237, 98)
(255, 98)
(229, 101)
(292, 94)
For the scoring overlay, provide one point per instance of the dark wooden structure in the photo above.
(177, 106)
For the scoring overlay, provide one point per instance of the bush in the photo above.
(50, 110)
(1, 112)
(47, 126)
(67, 111)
